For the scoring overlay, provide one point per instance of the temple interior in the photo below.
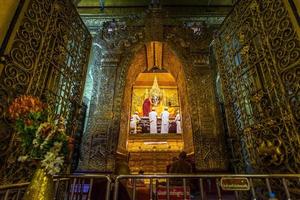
(99, 84)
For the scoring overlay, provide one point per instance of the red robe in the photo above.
(146, 107)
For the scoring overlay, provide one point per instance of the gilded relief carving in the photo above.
(47, 58)
(120, 40)
(204, 112)
(258, 58)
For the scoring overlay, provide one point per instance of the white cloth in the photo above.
(165, 122)
(178, 123)
(133, 123)
(153, 122)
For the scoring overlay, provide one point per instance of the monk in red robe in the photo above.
(147, 107)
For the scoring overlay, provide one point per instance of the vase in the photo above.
(41, 186)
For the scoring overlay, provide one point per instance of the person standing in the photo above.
(174, 159)
(134, 120)
(147, 107)
(178, 122)
(181, 166)
(153, 121)
(165, 121)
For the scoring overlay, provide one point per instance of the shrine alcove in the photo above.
(155, 66)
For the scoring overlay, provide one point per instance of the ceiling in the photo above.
(125, 3)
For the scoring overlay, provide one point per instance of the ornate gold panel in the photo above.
(258, 55)
(150, 162)
(155, 143)
(46, 56)
(119, 61)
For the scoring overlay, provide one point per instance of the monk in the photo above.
(165, 121)
(147, 107)
(153, 121)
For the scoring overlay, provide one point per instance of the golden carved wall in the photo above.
(258, 54)
(120, 61)
(46, 56)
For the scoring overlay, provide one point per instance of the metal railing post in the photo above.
(18, 194)
(151, 189)
(236, 195)
(6, 194)
(184, 188)
(73, 188)
(287, 193)
(81, 188)
(252, 189)
(218, 189)
(168, 188)
(108, 188)
(133, 188)
(90, 188)
(67, 189)
(268, 185)
(116, 188)
(56, 188)
(201, 188)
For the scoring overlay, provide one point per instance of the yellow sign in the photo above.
(235, 184)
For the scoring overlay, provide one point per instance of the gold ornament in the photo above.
(155, 93)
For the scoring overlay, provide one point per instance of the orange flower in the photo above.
(23, 105)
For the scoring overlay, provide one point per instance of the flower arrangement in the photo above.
(42, 135)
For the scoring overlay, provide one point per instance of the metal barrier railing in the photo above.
(13, 191)
(236, 184)
(91, 186)
(71, 187)
(82, 186)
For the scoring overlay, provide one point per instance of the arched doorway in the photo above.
(154, 150)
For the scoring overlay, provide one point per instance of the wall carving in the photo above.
(103, 121)
(203, 110)
(122, 39)
(47, 58)
(258, 53)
